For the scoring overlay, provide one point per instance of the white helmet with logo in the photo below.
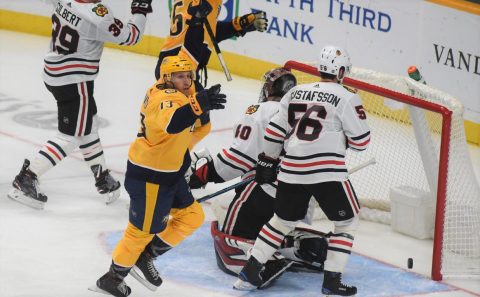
(332, 59)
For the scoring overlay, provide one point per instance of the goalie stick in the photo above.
(217, 50)
(246, 181)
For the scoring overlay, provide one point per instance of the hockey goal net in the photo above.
(418, 142)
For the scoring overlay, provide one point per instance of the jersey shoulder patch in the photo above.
(351, 90)
(100, 10)
(252, 109)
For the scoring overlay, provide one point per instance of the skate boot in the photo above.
(106, 184)
(273, 270)
(112, 283)
(145, 272)
(25, 188)
(250, 277)
(333, 286)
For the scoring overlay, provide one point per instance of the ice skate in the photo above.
(333, 286)
(145, 272)
(106, 184)
(250, 277)
(273, 270)
(111, 284)
(25, 188)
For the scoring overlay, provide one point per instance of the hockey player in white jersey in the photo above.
(79, 30)
(252, 206)
(315, 125)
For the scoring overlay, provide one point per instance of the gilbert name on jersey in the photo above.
(79, 31)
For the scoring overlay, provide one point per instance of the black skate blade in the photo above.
(136, 275)
(94, 288)
(18, 196)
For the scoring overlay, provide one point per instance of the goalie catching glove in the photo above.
(142, 6)
(251, 22)
(266, 169)
(205, 173)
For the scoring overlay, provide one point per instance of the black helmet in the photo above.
(276, 82)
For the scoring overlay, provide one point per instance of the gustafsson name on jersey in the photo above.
(316, 96)
(67, 15)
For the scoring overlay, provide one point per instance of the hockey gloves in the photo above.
(142, 6)
(199, 10)
(211, 98)
(266, 169)
(200, 177)
(251, 22)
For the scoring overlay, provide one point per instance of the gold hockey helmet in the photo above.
(174, 64)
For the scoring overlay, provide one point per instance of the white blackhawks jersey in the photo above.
(315, 125)
(240, 159)
(79, 31)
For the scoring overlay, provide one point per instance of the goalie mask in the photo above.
(332, 59)
(174, 64)
(276, 83)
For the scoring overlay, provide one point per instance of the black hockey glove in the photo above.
(251, 22)
(211, 98)
(142, 6)
(266, 169)
(198, 12)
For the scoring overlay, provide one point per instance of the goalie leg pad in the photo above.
(307, 248)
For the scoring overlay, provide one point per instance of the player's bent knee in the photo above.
(183, 223)
(197, 215)
(348, 226)
(282, 225)
(73, 141)
(192, 217)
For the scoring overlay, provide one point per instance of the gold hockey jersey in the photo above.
(169, 126)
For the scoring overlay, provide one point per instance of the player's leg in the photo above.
(124, 257)
(291, 205)
(149, 210)
(186, 217)
(92, 150)
(70, 101)
(248, 212)
(339, 203)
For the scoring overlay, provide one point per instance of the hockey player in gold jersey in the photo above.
(188, 16)
(163, 211)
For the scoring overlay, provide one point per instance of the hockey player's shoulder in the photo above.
(252, 109)
(351, 90)
(95, 12)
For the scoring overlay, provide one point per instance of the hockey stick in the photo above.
(217, 50)
(224, 190)
(246, 181)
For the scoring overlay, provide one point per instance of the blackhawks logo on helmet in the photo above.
(100, 10)
(252, 109)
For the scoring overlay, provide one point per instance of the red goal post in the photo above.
(448, 248)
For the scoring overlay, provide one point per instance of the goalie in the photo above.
(252, 205)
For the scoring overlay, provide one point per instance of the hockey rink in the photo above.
(63, 249)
